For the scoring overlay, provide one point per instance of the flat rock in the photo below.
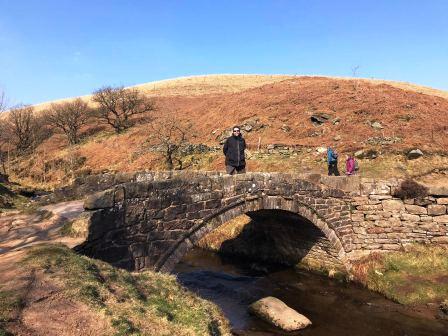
(376, 125)
(277, 313)
(319, 118)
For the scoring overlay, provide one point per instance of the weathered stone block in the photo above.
(436, 209)
(393, 247)
(212, 204)
(359, 230)
(416, 210)
(441, 219)
(357, 217)
(409, 217)
(379, 197)
(439, 191)
(385, 214)
(375, 230)
(373, 217)
(119, 195)
(368, 207)
(391, 222)
(442, 200)
(422, 201)
(440, 240)
(430, 227)
(138, 250)
(103, 199)
(393, 205)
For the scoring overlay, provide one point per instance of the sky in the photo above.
(58, 49)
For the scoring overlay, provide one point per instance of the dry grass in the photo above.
(227, 231)
(214, 103)
(401, 85)
(77, 228)
(191, 86)
(417, 275)
(231, 83)
(144, 303)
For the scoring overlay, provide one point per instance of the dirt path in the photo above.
(18, 231)
(43, 310)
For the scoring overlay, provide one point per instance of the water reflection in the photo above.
(335, 308)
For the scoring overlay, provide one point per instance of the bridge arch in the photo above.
(152, 224)
(252, 204)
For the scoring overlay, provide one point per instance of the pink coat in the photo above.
(350, 166)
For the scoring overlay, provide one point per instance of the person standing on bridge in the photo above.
(234, 151)
(332, 160)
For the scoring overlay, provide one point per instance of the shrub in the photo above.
(411, 189)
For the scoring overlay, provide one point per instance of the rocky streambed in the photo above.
(335, 308)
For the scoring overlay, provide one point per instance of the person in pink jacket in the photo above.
(350, 165)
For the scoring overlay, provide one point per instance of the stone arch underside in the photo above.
(167, 262)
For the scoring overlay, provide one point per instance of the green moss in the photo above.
(132, 301)
(10, 302)
(3, 332)
(415, 276)
(124, 326)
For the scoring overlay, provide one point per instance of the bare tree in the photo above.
(3, 131)
(172, 137)
(355, 74)
(4, 137)
(69, 117)
(23, 127)
(2, 101)
(355, 70)
(117, 106)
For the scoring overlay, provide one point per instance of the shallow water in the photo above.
(335, 308)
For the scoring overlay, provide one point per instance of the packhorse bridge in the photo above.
(150, 220)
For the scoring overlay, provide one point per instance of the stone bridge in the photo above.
(153, 219)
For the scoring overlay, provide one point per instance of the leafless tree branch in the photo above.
(69, 117)
(172, 136)
(117, 106)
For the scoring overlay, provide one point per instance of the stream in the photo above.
(335, 307)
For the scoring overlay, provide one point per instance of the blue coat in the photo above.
(332, 157)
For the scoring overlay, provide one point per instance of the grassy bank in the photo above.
(145, 303)
(417, 275)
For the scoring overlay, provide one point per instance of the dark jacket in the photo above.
(234, 151)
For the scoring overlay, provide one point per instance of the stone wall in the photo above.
(382, 222)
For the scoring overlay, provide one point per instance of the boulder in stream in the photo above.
(277, 313)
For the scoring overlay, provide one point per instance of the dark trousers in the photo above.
(235, 170)
(333, 169)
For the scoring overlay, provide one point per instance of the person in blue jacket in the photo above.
(332, 160)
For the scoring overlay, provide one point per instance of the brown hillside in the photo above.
(283, 107)
(419, 120)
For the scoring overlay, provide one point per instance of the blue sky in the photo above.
(57, 49)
